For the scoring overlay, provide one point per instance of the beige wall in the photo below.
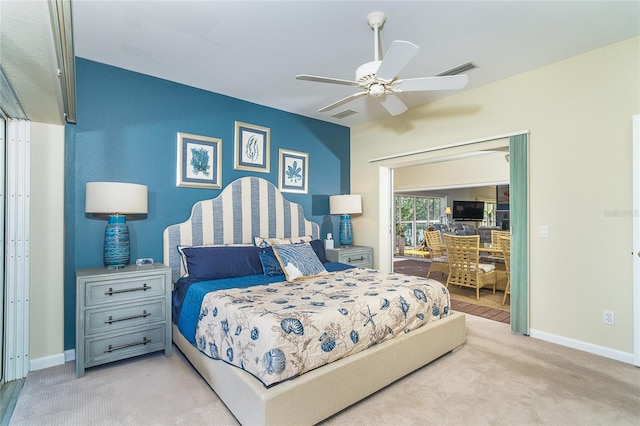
(476, 171)
(579, 114)
(46, 316)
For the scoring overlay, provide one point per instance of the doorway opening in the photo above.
(432, 209)
(517, 144)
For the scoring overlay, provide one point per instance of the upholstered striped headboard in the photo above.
(248, 207)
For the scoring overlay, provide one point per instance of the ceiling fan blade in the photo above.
(450, 82)
(397, 57)
(393, 105)
(342, 101)
(326, 80)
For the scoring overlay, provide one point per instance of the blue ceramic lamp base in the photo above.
(116, 242)
(345, 235)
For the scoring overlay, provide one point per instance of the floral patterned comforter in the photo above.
(279, 331)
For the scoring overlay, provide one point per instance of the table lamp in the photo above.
(116, 199)
(345, 206)
(447, 212)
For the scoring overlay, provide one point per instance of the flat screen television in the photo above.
(468, 210)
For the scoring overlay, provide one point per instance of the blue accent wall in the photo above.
(126, 131)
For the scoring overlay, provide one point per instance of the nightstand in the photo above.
(121, 313)
(358, 256)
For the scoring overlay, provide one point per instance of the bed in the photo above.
(250, 215)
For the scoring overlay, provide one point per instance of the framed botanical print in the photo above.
(293, 171)
(199, 161)
(251, 148)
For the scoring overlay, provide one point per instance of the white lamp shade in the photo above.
(115, 197)
(345, 204)
(447, 210)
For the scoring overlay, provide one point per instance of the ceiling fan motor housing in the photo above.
(366, 73)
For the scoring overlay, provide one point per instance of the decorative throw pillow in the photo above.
(298, 261)
(263, 242)
(270, 265)
(301, 240)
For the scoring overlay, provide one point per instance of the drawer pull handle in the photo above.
(144, 341)
(355, 260)
(111, 291)
(144, 314)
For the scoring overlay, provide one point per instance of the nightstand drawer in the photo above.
(101, 349)
(117, 317)
(111, 291)
(357, 258)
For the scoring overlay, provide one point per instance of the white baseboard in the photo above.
(69, 355)
(46, 362)
(52, 360)
(583, 346)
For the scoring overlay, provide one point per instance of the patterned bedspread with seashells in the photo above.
(279, 331)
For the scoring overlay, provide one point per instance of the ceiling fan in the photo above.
(379, 78)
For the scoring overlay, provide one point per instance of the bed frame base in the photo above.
(320, 393)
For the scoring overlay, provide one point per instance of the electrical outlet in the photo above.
(608, 317)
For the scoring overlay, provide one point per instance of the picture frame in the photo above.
(251, 148)
(293, 171)
(199, 162)
(502, 197)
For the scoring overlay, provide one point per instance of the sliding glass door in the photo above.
(414, 215)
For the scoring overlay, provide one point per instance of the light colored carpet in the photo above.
(496, 378)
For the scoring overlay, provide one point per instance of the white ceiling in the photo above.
(253, 50)
(28, 58)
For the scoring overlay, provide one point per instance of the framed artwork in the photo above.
(293, 171)
(502, 197)
(199, 161)
(251, 149)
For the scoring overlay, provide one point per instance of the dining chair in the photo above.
(496, 238)
(439, 260)
(496, 244)
(465, 269)
(505, 243)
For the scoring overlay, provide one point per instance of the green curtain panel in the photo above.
(519, 214)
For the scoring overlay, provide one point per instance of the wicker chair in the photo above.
(439, 261)
(465, 268)
(496, 238)
(496, 243)
(506, 249)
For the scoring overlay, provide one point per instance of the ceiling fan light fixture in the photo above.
(377, 90)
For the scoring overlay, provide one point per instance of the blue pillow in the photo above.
(298, 261)
(212, 263)
(270, 265)
(318, 247)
